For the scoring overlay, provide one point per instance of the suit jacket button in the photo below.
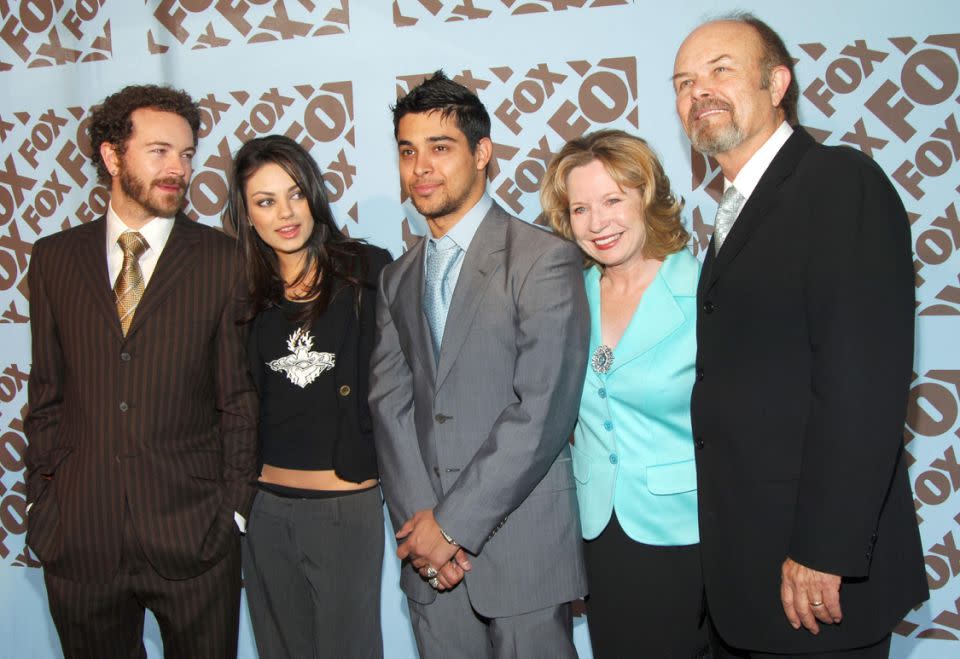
(708, 307)
(344, 390)
(441, 418)
(123, 406)
(698, 442)
(125, 356)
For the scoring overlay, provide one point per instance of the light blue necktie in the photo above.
(727, 213)
(441, 255)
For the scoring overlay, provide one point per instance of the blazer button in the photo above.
(125, 356)
(614, 459)
(123, 406)
(344, 390)
(442, 418)
(708, 307)
(698, 442)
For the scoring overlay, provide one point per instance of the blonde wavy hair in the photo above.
(632, 164)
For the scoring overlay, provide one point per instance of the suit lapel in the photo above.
(658, 315)
(92, 262)
(179, 256)
(407, 309)
(763, 197)
(484, 257)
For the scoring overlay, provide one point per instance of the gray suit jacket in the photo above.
(482, 436)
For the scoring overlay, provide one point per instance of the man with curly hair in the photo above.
(141, 425)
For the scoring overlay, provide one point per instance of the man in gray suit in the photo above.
(475, 385)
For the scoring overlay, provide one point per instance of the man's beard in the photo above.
(161, 204)
(710, 140)
(448, 205)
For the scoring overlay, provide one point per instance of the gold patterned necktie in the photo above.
(129, 287)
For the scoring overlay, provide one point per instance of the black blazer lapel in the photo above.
(92, 264)
(763, 197)
(179, 256)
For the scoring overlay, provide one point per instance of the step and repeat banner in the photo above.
(883, 77)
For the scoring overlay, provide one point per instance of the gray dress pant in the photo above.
(312, 573)
(449, 628)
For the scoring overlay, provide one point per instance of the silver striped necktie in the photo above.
(727, 213)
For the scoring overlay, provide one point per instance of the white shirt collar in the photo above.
(748, 178)
(463, 231)
(156, 232)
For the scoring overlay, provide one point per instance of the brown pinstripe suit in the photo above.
(163, 419)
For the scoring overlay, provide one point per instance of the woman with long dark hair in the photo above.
(313, 550)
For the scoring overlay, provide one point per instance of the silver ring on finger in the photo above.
(434, 583)
(431, 572)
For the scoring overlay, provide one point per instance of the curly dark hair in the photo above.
(110, 121)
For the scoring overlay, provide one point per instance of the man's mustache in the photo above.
(706, 105)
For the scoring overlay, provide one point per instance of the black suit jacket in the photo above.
(805, 351)
(164, 418)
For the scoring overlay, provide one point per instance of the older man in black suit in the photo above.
(805, 347)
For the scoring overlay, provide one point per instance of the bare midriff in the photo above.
(325, 479)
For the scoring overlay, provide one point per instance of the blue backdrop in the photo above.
(882, 76)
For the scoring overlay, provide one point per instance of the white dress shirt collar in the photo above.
(748, 178)
(156, 232)
(463, 231)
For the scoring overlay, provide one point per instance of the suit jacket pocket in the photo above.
(558, 478)
(37, 485)
(43, 526)
(672, 478)
(582, 466)
(222, 532)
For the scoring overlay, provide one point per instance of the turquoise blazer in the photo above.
(633, 450)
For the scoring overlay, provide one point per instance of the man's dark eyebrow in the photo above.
(432, 138)
(169, 145)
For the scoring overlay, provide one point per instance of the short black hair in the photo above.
(439, 93)
(110, 121)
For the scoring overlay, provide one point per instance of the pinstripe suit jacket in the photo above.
(164, 418)
(481, 435)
